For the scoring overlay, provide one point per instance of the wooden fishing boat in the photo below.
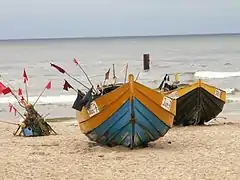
(131, 115)
(197, 102)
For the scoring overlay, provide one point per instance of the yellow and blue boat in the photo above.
(197, 102)
(131, 115)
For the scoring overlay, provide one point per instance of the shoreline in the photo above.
(223, 116)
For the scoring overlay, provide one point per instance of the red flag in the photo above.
(75, 61)
(22, 100)
(10, 107)
(49, 85)
(58, 68)
(2, 87)
(66, 86)
(6, 91)
(107, 74)
(19, 91)
(15, 111)
(25, 76)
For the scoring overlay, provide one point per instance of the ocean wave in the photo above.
(233, 99)
(44, 100)
(231, 90)
(215, 75)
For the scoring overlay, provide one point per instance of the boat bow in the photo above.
(131, 115)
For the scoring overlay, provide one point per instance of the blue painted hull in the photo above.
(131, 126)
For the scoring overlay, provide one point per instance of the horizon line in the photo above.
(109, 37)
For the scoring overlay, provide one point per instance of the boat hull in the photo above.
(130, 115)
(197, 103)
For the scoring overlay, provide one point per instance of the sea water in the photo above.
(213, 58)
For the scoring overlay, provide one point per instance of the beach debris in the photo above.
(32, 123)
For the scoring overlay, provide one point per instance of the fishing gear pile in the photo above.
(32, 124)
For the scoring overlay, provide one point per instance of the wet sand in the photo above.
(206, 152)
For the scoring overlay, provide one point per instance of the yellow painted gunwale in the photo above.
(186, 89)
(107, 109)
(153, 101)
(104, 101)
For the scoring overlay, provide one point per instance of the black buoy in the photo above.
(146, 61)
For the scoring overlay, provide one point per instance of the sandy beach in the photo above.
(206, 152)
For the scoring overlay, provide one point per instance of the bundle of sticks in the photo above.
(32, 124)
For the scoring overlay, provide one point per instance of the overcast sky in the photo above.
(87, 18)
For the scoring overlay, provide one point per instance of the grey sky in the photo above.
(84, 18)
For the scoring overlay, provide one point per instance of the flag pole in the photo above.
(114, 75)
(26, 91)
(77, 81)
(18, 111)
(39, 96)
(74, 90)
(87, 77)
(84, 73)
(63, 71)
(106, 76)
(126, 73)
(14, 95)
(19, 102)
(137, 76)
(25, 79)
(48, 86)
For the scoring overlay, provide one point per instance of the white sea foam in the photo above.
(233, 99)
(214, 75)
(231, 90)
(61, 99)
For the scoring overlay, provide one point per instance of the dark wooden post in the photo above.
(146, 61)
